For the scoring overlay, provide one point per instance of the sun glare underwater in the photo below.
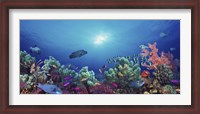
(99, 57)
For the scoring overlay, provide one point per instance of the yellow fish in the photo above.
(120, 74)
(83, 79)
(97, 83)
(100, 71)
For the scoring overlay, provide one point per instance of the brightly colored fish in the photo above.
(176, 82)
(145, 74)
(51, 89)
(114, 85)
(136, 83)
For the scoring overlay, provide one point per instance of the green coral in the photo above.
(124, 72)
(163, 74)
(41, 77)
(168, 89)
(63, 70)
(88, 76)
(30, 80)
(26, 58)
(51, 62)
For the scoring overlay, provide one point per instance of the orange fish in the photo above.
(120, 74)
(145, 74)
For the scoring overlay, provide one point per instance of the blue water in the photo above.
(59, 38)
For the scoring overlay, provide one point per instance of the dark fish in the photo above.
(114, 85)
(78, 53)
(102, 69)
(104, 66)
(176, 82)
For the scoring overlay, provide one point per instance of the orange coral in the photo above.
(154, 59)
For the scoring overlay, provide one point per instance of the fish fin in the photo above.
(39, 85)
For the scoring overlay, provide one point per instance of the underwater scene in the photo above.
(99, 57)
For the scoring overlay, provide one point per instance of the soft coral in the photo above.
(155, 59)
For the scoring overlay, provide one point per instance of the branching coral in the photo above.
(155, 60)
(125, 72)
(87, 76)
(26, 58)
(27, 83)
(26, 61)
(49, 63)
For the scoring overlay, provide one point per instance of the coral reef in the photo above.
(147, 73)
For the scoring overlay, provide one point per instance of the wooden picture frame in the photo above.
(103, 4)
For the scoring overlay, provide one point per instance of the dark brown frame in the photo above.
(100, 4)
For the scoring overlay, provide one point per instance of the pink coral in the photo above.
(155, 59)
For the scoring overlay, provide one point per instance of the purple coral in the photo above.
(101, 89)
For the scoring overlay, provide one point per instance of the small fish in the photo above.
(69, 66)
(172, 49)
(51, 89)
(125, 67)
(162, 35)
(114, 85)
(136, 83)
(97, 83)
(83, 79)
(35, 50)
(143, 47)
(109, 62)
(176, 82)
(67, 77)
(66, 83)
(76, 88)
(120, 74)
(104, 66)
(145, 74)
(54, 66)
(100, 71)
